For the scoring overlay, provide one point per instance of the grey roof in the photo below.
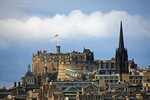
(32, 86)
(28, 74)
(92, 85)
(119, 85)
(21, 96)
(72, 89)
(87, 50)
(58, 94)
(37, 90)
(5, 93)
(107, 96)
(22, 78)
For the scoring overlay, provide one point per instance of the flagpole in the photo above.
(57, 40)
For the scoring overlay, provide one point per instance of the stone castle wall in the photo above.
(51, 61)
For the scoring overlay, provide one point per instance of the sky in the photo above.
(30, 25)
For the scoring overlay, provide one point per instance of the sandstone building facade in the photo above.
(49, 62)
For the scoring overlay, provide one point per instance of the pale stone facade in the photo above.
(73, 70)
(146, 76)
(51, 61)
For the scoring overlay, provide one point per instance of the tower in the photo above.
(121, 56)
(58, 49)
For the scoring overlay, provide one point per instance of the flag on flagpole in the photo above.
(56, 35)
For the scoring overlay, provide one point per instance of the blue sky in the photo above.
(30, 25)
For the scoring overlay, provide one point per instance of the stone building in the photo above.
(73, 71)
(28, 78)
(51, 61)
(146, 76)
(106, 66)
(29, 81)
(109, 66)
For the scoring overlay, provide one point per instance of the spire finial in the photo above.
(29, 68)
(121, 41)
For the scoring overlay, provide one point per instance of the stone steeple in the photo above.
(121, 56)
(121, 41)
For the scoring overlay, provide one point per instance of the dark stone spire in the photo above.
(121, 41)
(121, 56)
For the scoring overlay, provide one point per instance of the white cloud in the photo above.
(76, 25)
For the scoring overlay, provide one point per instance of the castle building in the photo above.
(121, 56)
(50, 62)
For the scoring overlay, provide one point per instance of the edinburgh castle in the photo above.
(71, 64)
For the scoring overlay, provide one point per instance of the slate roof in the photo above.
(71, 89)
(92, 85)
(37, 90)
(56, 94)
(28, 74)
(119, 85)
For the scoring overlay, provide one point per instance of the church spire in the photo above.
(121, 41)
(121, 56)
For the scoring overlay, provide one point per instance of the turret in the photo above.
(15, 84)
(58, 49)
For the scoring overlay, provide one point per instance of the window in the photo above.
(112, 65)
(107, 65)
(87, 66)
(100, 77)
(106, 81)
(111, 81)
(101, 64)
(116, 77)
(111, 77)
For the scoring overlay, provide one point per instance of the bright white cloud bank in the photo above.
(76, 25)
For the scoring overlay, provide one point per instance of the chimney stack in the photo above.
(14, 84)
